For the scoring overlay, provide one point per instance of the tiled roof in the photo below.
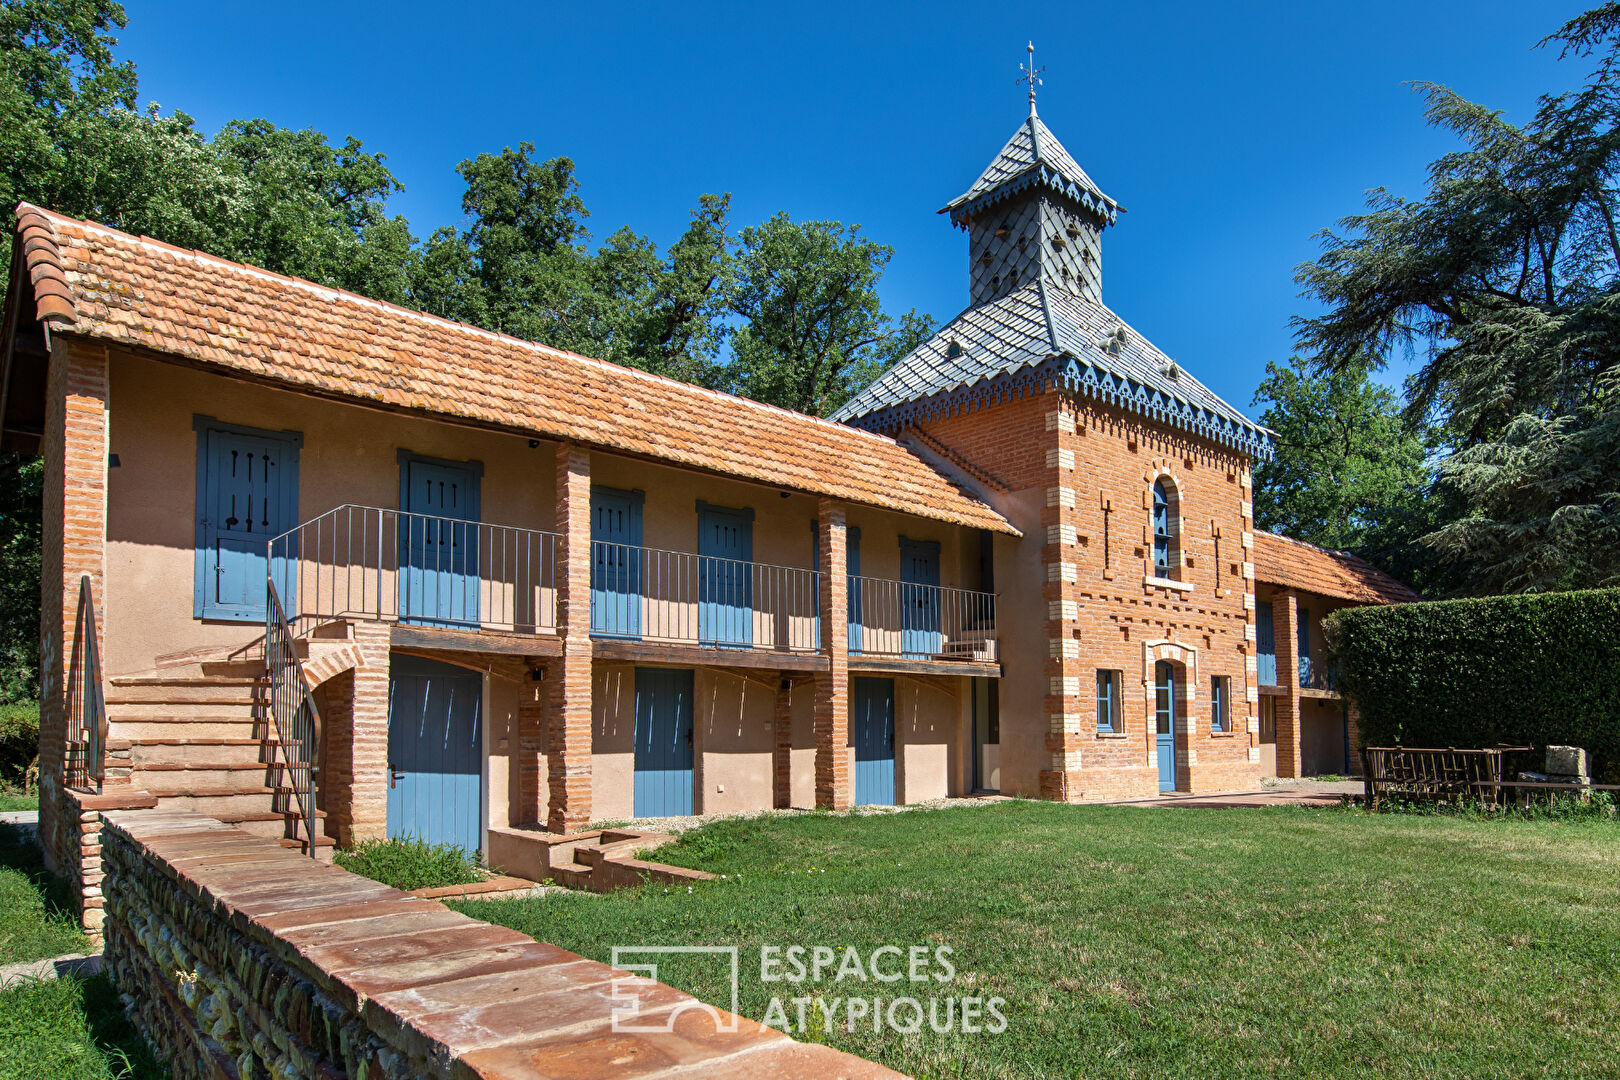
(105, 284)
(1038, 333)
(1032, 156)
(1294, 564)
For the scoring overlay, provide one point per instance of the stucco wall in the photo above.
(350, 455)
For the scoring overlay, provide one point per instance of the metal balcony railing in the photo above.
(1317, 675)
(899, 618)
(296, 719)
(371, 563)
(647, 594)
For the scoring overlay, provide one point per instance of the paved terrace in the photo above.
(419, 989)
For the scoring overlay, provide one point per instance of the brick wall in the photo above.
(568, 741)
(1091, 469)
(238, 960)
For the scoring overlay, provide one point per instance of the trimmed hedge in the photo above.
(1529, 670)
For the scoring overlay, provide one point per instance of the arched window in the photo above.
(1163, 533)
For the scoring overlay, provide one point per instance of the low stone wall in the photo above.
(240, 960)
(74, 852)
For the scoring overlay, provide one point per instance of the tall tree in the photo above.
(813, 331)
(1507, 274)
(1347, 472)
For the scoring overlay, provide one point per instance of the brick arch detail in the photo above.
(332, 663)
(1177, 653)
(1163, 469)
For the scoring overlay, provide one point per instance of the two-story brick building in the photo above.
(316, 564)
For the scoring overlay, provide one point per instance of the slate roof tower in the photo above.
(1035, 220)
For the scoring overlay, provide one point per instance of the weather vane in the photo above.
(1032, 75)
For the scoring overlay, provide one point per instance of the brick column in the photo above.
(834, 784)
(568, 745)
(782, 751)
(1067, 691)
(1285, 611)
(355, 770)
(73, 538)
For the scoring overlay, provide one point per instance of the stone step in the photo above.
(147, 752)
(206, 776)
(215, 802)
(137, 690)
(186, 728)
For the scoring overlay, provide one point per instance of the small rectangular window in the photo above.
(1220, 706)
(1108, 700)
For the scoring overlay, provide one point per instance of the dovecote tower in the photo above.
(1033, 215)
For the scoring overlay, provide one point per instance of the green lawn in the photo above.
(36, 911)
(1161, 943)
(65, 1029)
(15, 800)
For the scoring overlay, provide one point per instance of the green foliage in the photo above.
(1521, 670)
(19, 741)
(1347, 473)
(1507, 274)
(814, 333)
(410, 863)
(1133, 943)
(20, 501)
(70, 1029)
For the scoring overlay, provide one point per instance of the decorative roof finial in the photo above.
(1032, 75)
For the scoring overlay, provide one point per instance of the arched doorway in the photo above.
(1166, 721)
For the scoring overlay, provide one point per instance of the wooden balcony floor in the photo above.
(653, 652)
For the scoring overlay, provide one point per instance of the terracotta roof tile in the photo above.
(1280, 560)
(209, 310)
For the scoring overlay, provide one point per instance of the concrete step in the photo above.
(144, 690)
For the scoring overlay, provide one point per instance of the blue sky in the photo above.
(1231, 133)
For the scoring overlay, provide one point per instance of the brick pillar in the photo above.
(357, 773)
(1353, 722)
(568, 745)
(1067, 692)
(1285, 611)
(834, 786)
(782, 751)
(73, 537)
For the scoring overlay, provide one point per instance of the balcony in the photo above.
(367, 563)
(443, 580)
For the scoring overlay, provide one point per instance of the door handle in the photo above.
(394, 776)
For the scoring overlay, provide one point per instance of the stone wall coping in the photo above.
(476, 1001)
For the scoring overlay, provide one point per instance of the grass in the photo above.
(70, 1029)
(37, 917)
(17, 800)
(410, 863)
(1166, 942)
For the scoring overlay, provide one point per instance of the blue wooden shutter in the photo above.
(247, 495)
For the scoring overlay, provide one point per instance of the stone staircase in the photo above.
(196, 734)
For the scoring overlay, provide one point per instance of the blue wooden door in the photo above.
(248, 495)
(873, 706)
(1164, 711)
(438, 564)
(919, 598)
(1265, 633)
(616, 563)
(857, 603)
(435, 752)
(663, 784)
(725, 576)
